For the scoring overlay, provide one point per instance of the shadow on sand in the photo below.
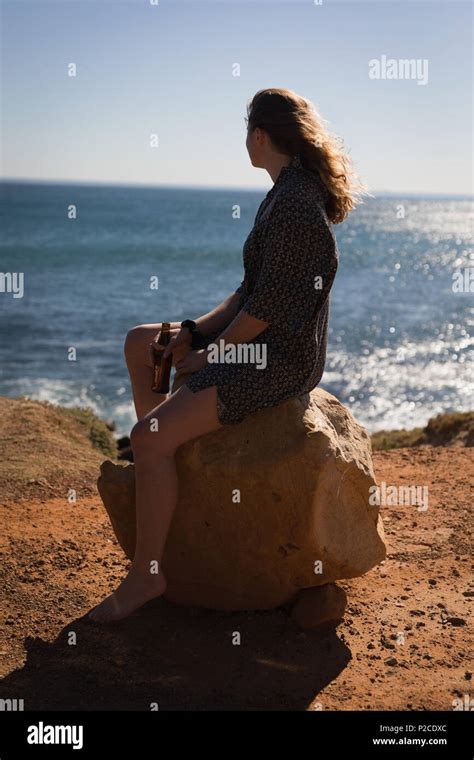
(182, 659)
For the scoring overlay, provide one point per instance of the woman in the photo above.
(280, 308)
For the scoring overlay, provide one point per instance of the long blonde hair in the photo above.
(295, 127)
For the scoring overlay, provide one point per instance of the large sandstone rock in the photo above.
(275, 504)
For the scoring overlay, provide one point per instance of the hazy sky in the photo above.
(167, 69)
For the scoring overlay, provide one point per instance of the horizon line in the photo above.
(227, 188)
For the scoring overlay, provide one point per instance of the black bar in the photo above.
(136, 734)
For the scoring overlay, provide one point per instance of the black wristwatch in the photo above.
(197, 339)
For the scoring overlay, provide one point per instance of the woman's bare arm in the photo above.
(220, 316)
(243, 328)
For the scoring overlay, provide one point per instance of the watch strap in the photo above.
(190, 324)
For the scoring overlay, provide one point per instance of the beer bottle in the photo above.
(161, 367)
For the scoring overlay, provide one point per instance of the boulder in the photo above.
(273, 505)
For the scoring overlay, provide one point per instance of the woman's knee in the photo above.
(146, 436)
(135, 344)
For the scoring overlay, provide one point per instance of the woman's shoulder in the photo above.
(303, 197)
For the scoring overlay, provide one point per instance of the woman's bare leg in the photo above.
(139, 366)
(183, 416)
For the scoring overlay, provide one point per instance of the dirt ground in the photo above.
(405, 642)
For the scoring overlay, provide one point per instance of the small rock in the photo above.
(392, 661)
(456, 621)
(321, 605)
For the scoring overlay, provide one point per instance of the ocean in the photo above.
(399, 347)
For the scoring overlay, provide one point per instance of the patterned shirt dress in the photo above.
(290, 260)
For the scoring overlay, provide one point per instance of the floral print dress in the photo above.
(290, 260)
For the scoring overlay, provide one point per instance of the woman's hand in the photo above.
(179, 339)
(182, 337)
(193, 361)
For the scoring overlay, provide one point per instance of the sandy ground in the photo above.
(405, 642)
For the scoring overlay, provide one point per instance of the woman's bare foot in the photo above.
(135, 590)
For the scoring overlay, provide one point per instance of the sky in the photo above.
(169, 69)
